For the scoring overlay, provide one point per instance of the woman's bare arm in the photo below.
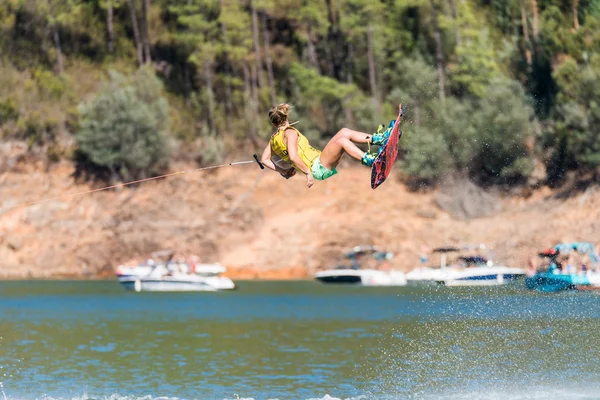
(291, 142)
(291, 139)
(266, 158)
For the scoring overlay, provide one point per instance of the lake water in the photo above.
(296, 340)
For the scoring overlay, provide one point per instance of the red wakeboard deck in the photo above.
(382, 166)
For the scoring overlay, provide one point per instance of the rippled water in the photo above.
(296, 340)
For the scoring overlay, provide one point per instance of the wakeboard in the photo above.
(382, 166)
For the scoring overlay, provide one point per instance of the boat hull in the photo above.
(425, 276)
(549, 282)
(484, 280)
(176, 285)
(174, 278)
(349, 280)
(362, 277)
(475, 276)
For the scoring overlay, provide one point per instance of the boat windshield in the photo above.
(364, 257)
(473, 260)
(469, 255)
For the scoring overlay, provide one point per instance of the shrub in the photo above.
(482, 137)
(320, 101)
(426, 158)
(503, 120)
(125, 127)
(577, 119)
(8, 111)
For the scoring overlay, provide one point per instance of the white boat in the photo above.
(473, 270)
(378, 276)
(433, 275)
(425, 275)
(484, 275)
(365, 277)
(169, 276)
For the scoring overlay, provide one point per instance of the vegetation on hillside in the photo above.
(495, 90)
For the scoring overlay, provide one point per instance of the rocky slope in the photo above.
(259, 225)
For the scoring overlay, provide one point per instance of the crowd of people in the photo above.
(572, 262)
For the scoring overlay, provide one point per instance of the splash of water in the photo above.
(1, 383)
(2, 390)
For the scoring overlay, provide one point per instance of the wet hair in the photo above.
(279, 115)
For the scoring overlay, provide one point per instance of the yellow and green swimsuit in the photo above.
(308, 154)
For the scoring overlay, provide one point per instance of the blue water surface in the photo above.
(296, 340)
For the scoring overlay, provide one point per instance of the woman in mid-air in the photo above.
(288, 150)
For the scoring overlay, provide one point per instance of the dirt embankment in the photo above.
(259, 225)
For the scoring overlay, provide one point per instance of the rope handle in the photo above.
(258, 161)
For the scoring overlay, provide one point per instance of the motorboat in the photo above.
(465, 270)
(377, 275)
(558, 272)
(171, 275)
(432, 275)
(365, 277)
(477, 271)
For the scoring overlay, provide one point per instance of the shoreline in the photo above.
(288, 274)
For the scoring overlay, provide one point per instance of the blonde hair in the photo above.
(279, 115)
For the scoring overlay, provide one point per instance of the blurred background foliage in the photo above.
(502, 92)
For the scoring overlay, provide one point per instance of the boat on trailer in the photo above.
(355, 274)
(163, 273)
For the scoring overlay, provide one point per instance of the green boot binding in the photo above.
(368, 159)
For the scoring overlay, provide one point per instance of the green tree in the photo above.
(340, 62)
(477, 61)
(503, 121)
(577, 116)
(426, 156)
(199, 39)
(362, 23)
(485, 138)
(125, 127)
(416, 86)
(320, 100)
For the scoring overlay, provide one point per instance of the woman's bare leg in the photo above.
(343, 142)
